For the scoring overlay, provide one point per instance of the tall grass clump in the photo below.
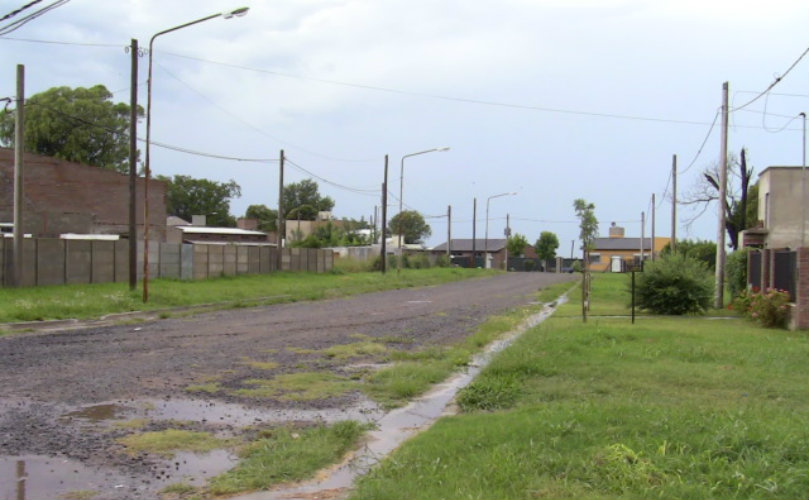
(674, 284)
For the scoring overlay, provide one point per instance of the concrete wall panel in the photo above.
(78, 261)
(50, 262)
(229, 255)
(102, 261)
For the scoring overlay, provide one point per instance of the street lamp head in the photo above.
(236, 13)
(442, 149)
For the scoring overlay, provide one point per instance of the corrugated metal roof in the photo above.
(218, 230)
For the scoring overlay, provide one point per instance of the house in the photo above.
(62, 197)
(780, 256)
(180, 231)
(461, 251)
(617, 253)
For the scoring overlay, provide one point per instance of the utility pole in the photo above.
(133, 167)
(282, 219)
(449, 232)
(474, 232)
(642, 235)
(508, 235)
(652, 250)
(19, 123)
(572, 245)
(385, 219)
(719, 294)
(673, 243)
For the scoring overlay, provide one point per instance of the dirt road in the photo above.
(65, 396)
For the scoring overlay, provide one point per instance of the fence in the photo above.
(58, 261)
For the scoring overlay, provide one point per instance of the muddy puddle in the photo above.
(397, 426)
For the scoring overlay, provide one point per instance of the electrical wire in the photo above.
(365, 192)
(254, 127)
(57, 42)
(17, 11)
(775, 82)
(702, 146)
(19, 23)
(439, 97)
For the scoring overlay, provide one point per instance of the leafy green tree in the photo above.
(302, 200)
(703, 251)
(516, 245)
(186, 196)
(82, 125)
(546, 245)
(267, 217)
(412, 225)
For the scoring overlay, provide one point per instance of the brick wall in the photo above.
(65, 197)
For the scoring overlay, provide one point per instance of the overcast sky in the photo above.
(552, 99)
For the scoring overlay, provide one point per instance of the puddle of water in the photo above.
(35, 476)
(400, 424)
(99, 413)
(194, 468)
(213, 412)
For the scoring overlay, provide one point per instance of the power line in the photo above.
(56, 42)
(366, 192)
(19, 23)
(17, 11)
(773, 84)
(252, 126)
(440, 97)
(702, 146)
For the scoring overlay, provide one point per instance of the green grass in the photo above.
(93, 301)
(301, 386)
(288, 454)
(666, 408)
(165, 443)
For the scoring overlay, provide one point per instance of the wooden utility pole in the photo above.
(719, 295)
(133, 167)
(282, 218)
(449, 232)
(673, 243)
(652, 249)
(19, 138)
(385, 219)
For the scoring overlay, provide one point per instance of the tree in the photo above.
(267, 217)
(186, 196)
(702, 251)
(303, 201)
(516, 245)
(588, 231)
(413, 226)
(740, 205)
(82, 125)
(546, 245)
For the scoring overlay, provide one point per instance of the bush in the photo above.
(736, 268)
(770, 309)
(674, 284)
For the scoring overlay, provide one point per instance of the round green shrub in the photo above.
(674, 284)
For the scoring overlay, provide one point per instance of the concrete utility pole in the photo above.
(19, 123)
(642, 235)
(385, 219)
(282, 219)
(474, 231)
(719, 292)
(673, 203)
(133, 167)
(449, 231)
(652, 250)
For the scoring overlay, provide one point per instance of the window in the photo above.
(595, 258)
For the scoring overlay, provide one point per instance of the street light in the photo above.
(486, 240)
(148, 171)
(401, 196)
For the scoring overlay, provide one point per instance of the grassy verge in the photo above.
(667, 408)
(93, 301)
(286, 454)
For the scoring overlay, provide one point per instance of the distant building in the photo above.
(617, 253)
